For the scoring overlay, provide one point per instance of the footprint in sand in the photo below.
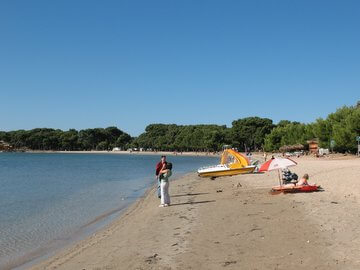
(152, 259)
(227, 263)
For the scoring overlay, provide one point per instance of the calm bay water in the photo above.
(46, 199)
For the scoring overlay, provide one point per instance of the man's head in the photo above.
(163, 159)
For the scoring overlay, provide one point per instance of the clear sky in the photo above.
(85, 63)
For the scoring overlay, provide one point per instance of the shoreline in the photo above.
(257, 155)
(231, 222)
(98, 224)
(95, 226)
(159, 153)
(34, 264)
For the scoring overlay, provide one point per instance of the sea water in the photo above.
(47, 199)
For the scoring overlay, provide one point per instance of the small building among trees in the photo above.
(291, 148)
(313, 146)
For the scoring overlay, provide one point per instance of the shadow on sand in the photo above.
(174, 204)
(190, 194)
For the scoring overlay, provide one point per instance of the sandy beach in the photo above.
(233, 223)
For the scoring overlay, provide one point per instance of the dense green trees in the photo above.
(183, 138)
(254, 133)
(341, 127)
(345, 126)
(245, 134)
(288, 133)
(251, 133)
(56, 139)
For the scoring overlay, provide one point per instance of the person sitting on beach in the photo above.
(303, 181)
(164, 175)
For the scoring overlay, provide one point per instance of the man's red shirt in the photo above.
(159, 167)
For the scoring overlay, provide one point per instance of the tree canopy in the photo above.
(71, 140)
(183, 138)
(246, 134)
(341, 127)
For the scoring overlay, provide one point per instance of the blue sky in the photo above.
(86, 64)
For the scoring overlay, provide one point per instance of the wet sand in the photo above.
(233, 223)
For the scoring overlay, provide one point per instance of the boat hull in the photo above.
(226, 172)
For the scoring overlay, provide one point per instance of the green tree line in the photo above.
(338, 130)
(71, 140)
(245, 134)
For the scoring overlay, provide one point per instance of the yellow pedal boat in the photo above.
(232, 163)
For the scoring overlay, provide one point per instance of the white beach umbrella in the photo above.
(277, 164)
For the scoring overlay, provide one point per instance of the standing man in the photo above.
(265, 156)
(161, 164)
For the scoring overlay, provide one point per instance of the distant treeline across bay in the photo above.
(339, 131)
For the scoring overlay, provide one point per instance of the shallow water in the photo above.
(47, 198)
